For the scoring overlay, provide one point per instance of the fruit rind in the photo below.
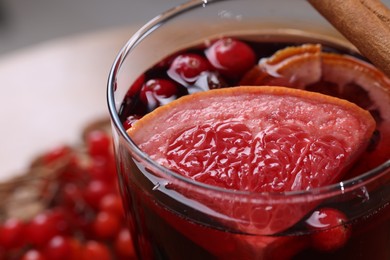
(258, 90)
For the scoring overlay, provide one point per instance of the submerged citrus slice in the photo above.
(309, 67)
(259, 139)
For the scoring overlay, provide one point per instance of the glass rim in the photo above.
(144, 31)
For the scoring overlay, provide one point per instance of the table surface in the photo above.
(50, 92)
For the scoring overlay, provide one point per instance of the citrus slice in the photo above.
(308, 67)
(258, 139)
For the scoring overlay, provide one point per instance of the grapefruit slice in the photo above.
(259, 139)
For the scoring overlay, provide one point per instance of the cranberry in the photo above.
(55, 154)
(95, 191)
(33, 254)
(11, 233)
(167, 61)
(76, 248)
(73, 171)
(207, 80)
(123, 244)
(103, 169)
(136, 86)
(186, 68)
(95, 250)
(130, 121)
(112, 203)
(106, 225)
(59, 247)
(330, 229)
(156, 92)
(98, 143)
(81, 221)
(71, 194)
(60, 217)
(42, 228)
(231, 57)
(133, 105)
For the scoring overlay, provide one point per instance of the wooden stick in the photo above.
(364, 23)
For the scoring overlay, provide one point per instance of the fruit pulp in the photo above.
(166, 225)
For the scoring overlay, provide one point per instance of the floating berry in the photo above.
(165, 63)
(156, 92)
(186, 68)
(231, 57)
(130, 121)
(207, 80)
(330, 228)
(136, 86)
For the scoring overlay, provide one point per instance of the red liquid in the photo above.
(165, 226)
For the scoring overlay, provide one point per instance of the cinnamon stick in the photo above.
(379, 9)
(365, 23)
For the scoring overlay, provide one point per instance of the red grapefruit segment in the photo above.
(259, 139)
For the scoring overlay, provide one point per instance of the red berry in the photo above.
(81, 222)
(59, 247)
(103, 168)
(60, 217)
(231, 57)
(11, 233)
(71, 195)
(156, 92)
(123, 244)
(55, 154)
(207, 80)
(98, 143)
(330, 229)
(76, 249)
(95, 191)
(73, 171)
(106, 225)
(186, 68)
(167, 61)
(136, 86)
(112, 203)
(130, 121)
(95, 250)
(41, 229)
(33, 254)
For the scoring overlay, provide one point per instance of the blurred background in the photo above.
(55, 57)
(28, 22)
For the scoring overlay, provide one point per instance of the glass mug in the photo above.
(173, 217)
